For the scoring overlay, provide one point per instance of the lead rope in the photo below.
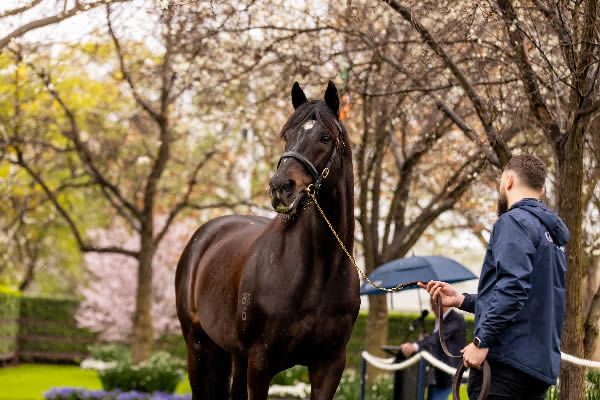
(485, 387)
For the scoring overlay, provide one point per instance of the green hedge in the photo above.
(48, 330)
(10, 301)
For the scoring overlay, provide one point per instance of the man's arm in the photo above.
(468, 303)
(513, 253)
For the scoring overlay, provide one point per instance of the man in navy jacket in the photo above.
(520, 304)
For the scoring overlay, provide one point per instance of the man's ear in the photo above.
(542, 193)
(510, 181)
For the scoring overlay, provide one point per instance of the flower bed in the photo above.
(66, 393)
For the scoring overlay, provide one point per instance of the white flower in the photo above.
(98, 365)
(300, 389)
(164, 4)
(143, 160)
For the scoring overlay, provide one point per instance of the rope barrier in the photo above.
(383, 363)
(388, 364)
(578, 361)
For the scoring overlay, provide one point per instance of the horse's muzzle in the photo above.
(283, 194)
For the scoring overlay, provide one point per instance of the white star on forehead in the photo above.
(308, 124)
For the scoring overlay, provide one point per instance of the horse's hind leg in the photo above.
(209, 368)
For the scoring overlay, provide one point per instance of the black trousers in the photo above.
(507, 383)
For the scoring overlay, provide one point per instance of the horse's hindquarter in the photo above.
(208, 276)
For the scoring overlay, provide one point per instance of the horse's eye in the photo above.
(325, 139)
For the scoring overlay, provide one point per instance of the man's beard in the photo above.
(502, 203)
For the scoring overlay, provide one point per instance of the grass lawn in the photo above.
(29, 381)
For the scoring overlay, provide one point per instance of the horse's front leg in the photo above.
(259, 375)
(325, 376)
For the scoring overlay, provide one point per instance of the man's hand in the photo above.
(450, 297)
(473, 356)
(407, 349)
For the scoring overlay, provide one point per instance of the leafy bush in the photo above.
(291, 376)
(66, 393)
(592, 390)
(349, 388)
(593, 377)
(161, 372)
(110, 352)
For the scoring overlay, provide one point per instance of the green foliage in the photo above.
(49, 330)
(110, 352)
(349, 388)
(291, 376)
(173, 344)
(593, 377)
(592, 389)
(593, 382)
(49, 308)
(161, 372)
(10, 304)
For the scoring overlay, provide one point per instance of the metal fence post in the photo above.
(421, 380)
(363, 377)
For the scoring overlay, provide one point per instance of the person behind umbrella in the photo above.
(454, 331)
(520, 303)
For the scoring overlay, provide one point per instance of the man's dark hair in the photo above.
(530, 169)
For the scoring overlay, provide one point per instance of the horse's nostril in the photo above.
(288, 186)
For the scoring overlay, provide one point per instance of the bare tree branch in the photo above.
(82, 150)
(495, 141)
(85, 247)
(529, 78)
(126, 74)
(19, 10)
(38, 23)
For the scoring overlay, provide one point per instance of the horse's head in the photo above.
(313, 135)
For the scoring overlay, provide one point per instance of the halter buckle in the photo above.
(325, 173)
(310, 190)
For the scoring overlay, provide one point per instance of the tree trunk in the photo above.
(377, 332)
(142, 319)
(592, 326)
(28, 279)
(570, 194)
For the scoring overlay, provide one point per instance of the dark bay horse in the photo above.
(255, 295)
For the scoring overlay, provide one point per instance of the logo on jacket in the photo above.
(549, 238)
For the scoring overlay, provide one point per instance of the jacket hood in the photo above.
(555, 225)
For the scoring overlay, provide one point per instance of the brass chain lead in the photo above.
(394, 289)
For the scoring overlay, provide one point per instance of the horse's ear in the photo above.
(298, 96)
(331, 98)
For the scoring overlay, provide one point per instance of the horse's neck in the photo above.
(314, 231)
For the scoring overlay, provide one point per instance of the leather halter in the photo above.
(309, 166)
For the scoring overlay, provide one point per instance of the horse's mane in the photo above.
(317, 110)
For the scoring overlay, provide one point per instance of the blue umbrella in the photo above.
(437, 268)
